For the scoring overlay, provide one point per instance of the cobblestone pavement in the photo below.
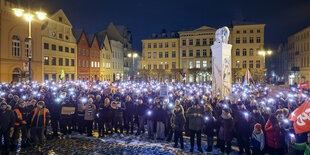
(112, 145)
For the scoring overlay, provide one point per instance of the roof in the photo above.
(100, 37)
(90, 39)
(243, 22)
(77, 33)
(202, 28)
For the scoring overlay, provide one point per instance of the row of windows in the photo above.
(197, 64)
(85, 63)
(245, 40)
(305, 61)
(160, 66)
(251, 64)
(198, 42)
(60, 61)
(245, 31)
(302, 36)
(244, 52)
(190, 53)
(60, 48)
(302, 47)
(16, 46)
(53, 77)
(201, 64)
(160, 55)
(94, 54)
(160, 45)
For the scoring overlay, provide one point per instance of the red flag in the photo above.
(301, 118)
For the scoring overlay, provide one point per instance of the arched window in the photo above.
(251, 52)
(15, 46)
(244, 52)
(237, 52)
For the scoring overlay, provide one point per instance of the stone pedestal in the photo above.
(221, 69)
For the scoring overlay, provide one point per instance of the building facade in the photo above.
(59, 48)
(94, 57)
(160, 59)
(14, 46)
(105, 58)
(194, 55)
(299, 53)
(247, 40)
(83, 58)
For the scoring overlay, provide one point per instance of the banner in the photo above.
(67, 110)
(116, 105)
(301, 118)
(304, 85)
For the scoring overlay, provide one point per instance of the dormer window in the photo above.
(60, 19)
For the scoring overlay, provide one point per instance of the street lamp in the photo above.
(264, 53)
(133, 56)
(29, 17)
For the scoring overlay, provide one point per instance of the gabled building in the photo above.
(94, 57)
(14, 46)
(106, 73)
(59, 48)
(117, 49)
(83, 58)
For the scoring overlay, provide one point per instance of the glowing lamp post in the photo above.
(133, 56)
(263, 54)
(29, 17)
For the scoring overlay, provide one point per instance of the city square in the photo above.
(92, 78)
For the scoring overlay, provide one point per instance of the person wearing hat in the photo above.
(21, 115)
(195, 116)
(39, 121)
(226, 130)
(257, 140)
(7, 120)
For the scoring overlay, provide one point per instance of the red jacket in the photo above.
(273, 135)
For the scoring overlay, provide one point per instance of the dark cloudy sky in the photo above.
(144, 17)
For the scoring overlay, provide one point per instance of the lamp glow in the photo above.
(18, 12)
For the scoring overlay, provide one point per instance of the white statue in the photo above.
(222, 35)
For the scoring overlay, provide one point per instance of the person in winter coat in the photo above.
(21, 115)
(80, 114)
(160, 116)
(243, 128)
(128, 114)
(7, 120)
(195, 116)
(66, 118)
(302, 146)
(150, 121)
(89, 116)
(118, 109)
(273, 136)
(142, 114)
(177, 123)
(105, 118)
(39, 121)
(226, 130)
(257, 140)
(209, 126)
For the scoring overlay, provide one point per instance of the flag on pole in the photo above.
(247, 77)
(62, 74)
(301, 118)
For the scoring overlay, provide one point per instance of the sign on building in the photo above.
(26, 66)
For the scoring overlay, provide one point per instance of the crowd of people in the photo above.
(250, 114)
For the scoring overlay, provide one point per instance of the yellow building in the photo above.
(299, 53)
(14, 45)
(247, 40)
(59, 48)
(106, 73)
(160, 59)
(194, 55)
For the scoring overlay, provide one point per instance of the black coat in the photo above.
(160, 114)
(129, 111)
(105, 113)
(178, 121)
(7, 120)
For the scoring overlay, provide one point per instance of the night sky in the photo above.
(144, 17)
